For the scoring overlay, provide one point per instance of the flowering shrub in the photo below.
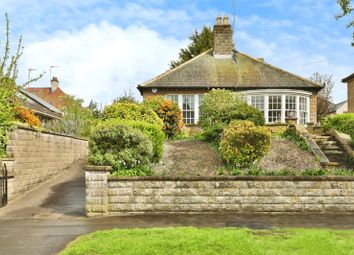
(170, 114)
(126, 149)
(243, 143)
(28, 116)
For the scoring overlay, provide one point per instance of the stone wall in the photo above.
(39, 156)
(119, 196)
(351, 95)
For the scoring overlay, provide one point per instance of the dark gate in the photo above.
(3, 185)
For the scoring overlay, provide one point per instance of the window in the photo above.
(258, 102)
(290, 106)
(303, 110)
(188, 109)
(173, 98)
(274, 109)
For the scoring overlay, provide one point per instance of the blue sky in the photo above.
(104, 48)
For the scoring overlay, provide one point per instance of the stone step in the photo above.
(337, 152)
(330, 147)
(321, 136)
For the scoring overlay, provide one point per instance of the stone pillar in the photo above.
(97, 190)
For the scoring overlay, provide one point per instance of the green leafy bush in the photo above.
(124, 148)
(153, 132)
(170, 114)
(220, 107)
(341, 122)
(296, 138)
(213, 133)
(131, 111)
(243, 143)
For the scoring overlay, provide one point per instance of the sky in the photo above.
(104, 48)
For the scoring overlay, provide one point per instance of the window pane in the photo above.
(290, 106)
(274, 109)
(303, 110)
(173, 98)
(188, 109)
(258, 102)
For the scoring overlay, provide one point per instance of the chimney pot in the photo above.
(226, 20)
(219, 20)
(54, 82)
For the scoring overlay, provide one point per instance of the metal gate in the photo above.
(3, 185)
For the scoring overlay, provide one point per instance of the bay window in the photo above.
(188, 109)
(274, 109)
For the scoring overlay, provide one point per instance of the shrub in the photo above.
(341, 122)
(124, 148)
(220, 107)
(131, 111)
(28, 117)
(153, 132)
(169, 113)
(243, 143)
(296, 138)
(213, 133)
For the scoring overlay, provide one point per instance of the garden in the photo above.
(149, 138)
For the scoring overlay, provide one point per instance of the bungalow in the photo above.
(277, 93)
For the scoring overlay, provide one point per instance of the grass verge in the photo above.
(190, 240)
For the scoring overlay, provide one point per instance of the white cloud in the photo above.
(102, 61)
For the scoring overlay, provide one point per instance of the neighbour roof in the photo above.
(348, 78)
(241, 71)
(39, 105)
(53, 98)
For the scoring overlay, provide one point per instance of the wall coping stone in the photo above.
(92, 168)
(233, 178)
(19, 126)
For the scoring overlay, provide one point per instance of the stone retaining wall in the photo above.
(119, 196)
(38, 156)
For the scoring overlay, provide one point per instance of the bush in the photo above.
(341, 122)
(243, 143)
(153, 132)
(131, 111)
(214, 132)
(220, 107)
(124, 148)
(170, 114)
(28, 117)
(296, 138)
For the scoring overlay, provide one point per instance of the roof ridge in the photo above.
(174, 69)
(279, 69)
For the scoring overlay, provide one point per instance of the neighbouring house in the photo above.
(53, 94)
(350, 83)
(339, 108)
(277, 93)
(41, 108)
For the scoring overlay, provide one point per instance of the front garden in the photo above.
(144, 139)
(214, 241)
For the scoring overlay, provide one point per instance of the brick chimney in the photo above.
(54, 82)
(350, 83)
(223, 44)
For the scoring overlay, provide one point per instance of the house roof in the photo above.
(241, 71)
(39, 106)
(348, 78)
(45, 93)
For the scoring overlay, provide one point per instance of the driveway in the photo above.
(46, 219)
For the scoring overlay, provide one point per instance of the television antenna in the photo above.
(50, 71)
(29, 73)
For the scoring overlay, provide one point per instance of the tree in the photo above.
(77, 120)
(200, 42)
(8, 86)
(127, 97)
(324, 97)
(346, 8)
(93, 107)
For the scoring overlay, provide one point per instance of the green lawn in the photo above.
(193, 241)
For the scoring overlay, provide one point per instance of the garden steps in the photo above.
(333, 150)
